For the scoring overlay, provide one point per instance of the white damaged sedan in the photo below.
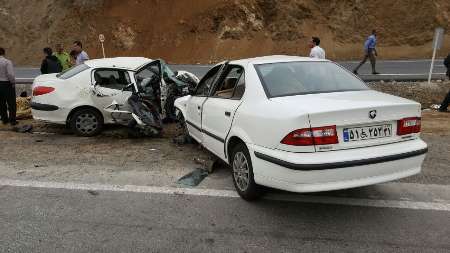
(302, 125)
(81, 97)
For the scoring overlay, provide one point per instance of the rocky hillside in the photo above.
(191, 31)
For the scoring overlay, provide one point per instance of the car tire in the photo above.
(86, 122)
(242, 172)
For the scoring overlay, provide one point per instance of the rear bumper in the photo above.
(341, 164)
(43, 107)
(58, 116)
(334, 170)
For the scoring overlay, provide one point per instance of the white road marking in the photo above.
(364, 202)
(416, 205)
(401, 74)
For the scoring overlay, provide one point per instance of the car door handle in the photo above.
(228, 114)
(198, 107)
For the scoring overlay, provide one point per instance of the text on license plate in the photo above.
(368, 132)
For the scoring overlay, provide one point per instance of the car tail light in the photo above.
(41, 90)
(409, 126)
(312, 136)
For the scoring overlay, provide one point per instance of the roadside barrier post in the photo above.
(437, 43)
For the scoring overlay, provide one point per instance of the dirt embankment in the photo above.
(422, 92)
(191, 31)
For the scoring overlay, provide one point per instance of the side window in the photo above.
(205, 84)
(240, 88)
(229, 83)
(150, 71)
(112, 78)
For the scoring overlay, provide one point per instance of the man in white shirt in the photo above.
(82, 56)
(316, 51)
(7, 90)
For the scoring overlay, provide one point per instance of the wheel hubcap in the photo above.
(241, 171)
(86, 123)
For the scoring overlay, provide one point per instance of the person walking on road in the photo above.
(370, 52)
(7, 90)
(50, 64)
(82, 56)
(446, 102)
(63, 57)
(316, 51)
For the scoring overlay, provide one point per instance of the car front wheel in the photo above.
(242, 171)
(86, 122)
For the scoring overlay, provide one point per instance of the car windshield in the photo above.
(72, 71)
(297, 78)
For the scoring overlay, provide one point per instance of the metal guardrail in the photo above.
(24, 80)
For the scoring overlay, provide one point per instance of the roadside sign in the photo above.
(101, 38)
(437, 44)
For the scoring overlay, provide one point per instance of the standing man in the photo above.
(63, 57)
(370, 52)
(7, 90)
(82, 56)
(316, 51)
(50, 64)
(444, 105)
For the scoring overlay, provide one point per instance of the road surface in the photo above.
(61, 193)
(85, 219)
(390, 70)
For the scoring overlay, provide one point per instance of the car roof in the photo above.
(131, 63)
(274, 59)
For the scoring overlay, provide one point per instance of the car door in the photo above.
(220, 107)
(195, 103)
(107, 86)
(151, 70)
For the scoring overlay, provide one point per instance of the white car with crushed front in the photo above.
(302, 125)
(89, 95)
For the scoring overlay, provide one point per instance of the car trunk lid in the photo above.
(362, 118)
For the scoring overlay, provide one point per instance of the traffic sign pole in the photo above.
(101, 38)
(432, 62)
(437, 43)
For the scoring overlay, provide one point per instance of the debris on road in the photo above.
(93, 193)
(23, 129)
(23, 107)
(207, 164)
(193, 178)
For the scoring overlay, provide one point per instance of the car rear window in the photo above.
(297, 78)
(72, 71)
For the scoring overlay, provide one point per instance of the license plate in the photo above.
(367, 132)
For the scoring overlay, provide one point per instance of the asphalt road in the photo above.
(111, 194)
(62, 220)
(390, 70)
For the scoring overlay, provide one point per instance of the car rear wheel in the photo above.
(242, 171)
(86, 122)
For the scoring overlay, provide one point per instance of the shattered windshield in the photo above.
(297, 78)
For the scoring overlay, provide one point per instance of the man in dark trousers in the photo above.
(370, 52)
(446, 101)
(50, 64)
(7, 90)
